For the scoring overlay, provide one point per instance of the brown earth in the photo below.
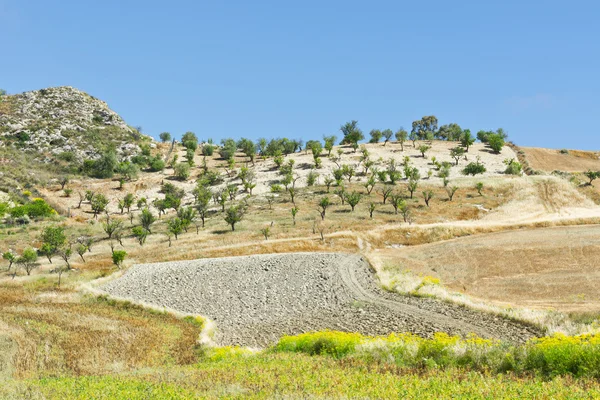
(551, 267)
(549, 160)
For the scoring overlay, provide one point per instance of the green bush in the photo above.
(37, 208)
(474, 168)
(336, 344)
(548, 357)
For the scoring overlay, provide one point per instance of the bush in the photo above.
(474, 168)
(552, 356)
(496, 142)
(156, 164)
(513, 167)
(208, 150)
(118, 257)
(182, 171)
(335, 344)
(37, 208)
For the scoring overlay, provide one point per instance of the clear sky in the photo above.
(300, 69)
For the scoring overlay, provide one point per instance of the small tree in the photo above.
(81, 248)
(427, 195)
(118, 258)
(53, 238)
(479, 187)
(294, 212)
(140, 234)
(128, 201)
(375, 136)
(387, 135)
(98, 204)
(457, 153)
(412, 186)
(266, 232)
(592, 176)
(396, 200)
(385, 192)
(371, 209)
(328, 182)
(496, 142)
(233, 215)
(401, 137)
(329, 143)
(28, 260)
(147, 219)
(323, 204)
(10, 257)
(423, 149)
(353, 199)
(65, 253)
(451, 191)
(112, 226)
(63, 182)
(467, 139)
(405, 211)
(370, 184)
(165, 137)
(175, 226)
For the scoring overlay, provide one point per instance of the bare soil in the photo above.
(254, 300)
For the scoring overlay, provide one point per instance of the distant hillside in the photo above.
(57, 128)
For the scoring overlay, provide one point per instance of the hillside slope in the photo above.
(50, 130)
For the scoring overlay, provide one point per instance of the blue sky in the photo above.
(301, 69)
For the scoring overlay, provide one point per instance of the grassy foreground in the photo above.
(346, 365)
(286, 375)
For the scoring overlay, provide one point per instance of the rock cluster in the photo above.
(64, 120)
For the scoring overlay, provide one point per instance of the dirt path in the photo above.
(254, 300)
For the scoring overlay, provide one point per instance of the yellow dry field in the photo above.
(536, 268)
(549, 160)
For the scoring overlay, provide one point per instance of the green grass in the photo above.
(288, 375)
(546, 357)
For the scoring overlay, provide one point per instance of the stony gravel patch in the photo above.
(254, 300)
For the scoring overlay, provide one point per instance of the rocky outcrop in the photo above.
(65, 121)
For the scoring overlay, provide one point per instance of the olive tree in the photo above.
(233, 215)
(28, 260)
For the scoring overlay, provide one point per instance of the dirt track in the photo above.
(255, 300)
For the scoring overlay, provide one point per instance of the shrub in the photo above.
(548, 357)
(182, 171)
(118, 257)
(474, 168)
(37, 208)
(496, 142)
(335, 344)
(513, 167)
(156, 164)
(208, 150)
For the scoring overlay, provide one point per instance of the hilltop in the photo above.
(50, 129)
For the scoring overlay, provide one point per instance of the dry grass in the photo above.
(549, 160)
(58, 332)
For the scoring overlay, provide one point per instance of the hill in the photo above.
(52, 129)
